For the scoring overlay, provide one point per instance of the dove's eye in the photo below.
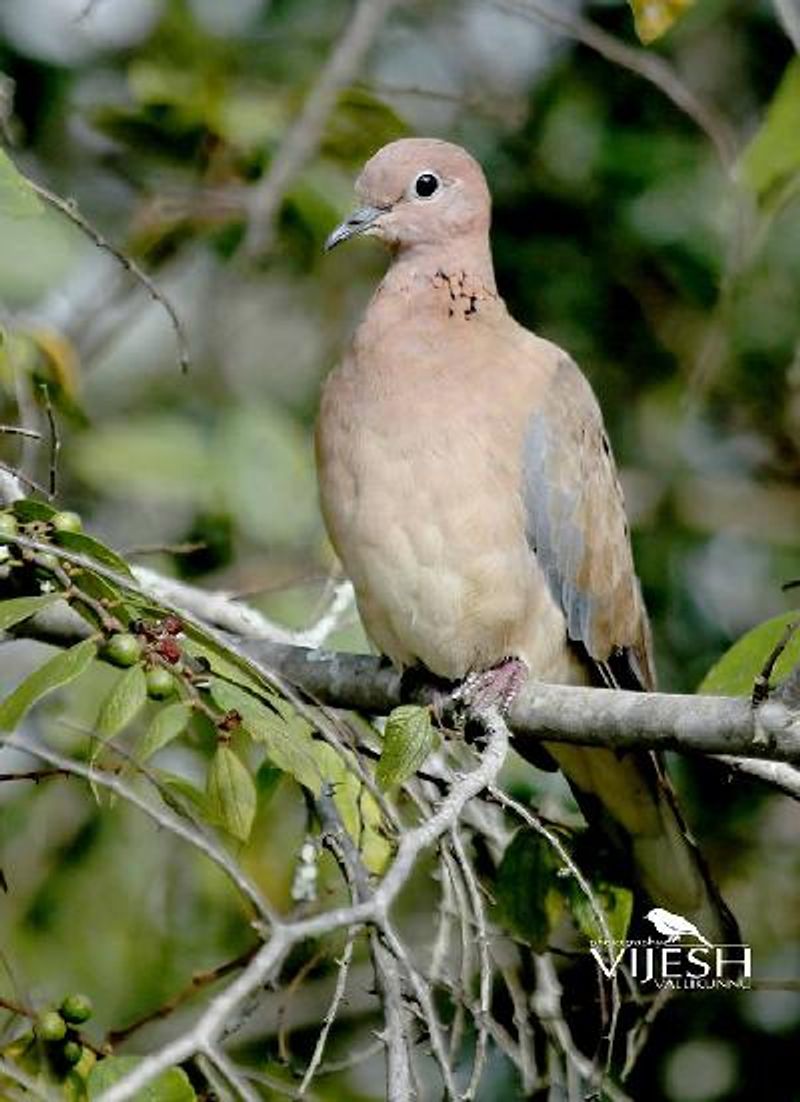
(426, 185)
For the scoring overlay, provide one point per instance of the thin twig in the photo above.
(761, 685)
(566, 857)
(637, 1037)
(284, 936)
(17, 430)
(35, 775)
(484, 1006)
(343, 971)
(55, 440)
(15, 472)
(198, 981)
(70, 210)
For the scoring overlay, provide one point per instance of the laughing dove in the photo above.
(468, 487)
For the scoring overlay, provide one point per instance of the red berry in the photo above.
(169, 650)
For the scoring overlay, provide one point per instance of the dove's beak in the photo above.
(359, 221)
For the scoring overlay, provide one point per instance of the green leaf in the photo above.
(28, 508)
(285, 735)
(407, 741)
(268, 777)
(123, 703)
(653, 18)
(171, 1085)
(374, 845)
(184, 797)
(773, 156)
(527, 889)
(232, 793)
(615, 901)
(81, 544)
(223, 662)
(60, 670)
(167, 725)
(735, 673)
(17, 197)
(20, 608)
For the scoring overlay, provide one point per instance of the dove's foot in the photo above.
(493, 688)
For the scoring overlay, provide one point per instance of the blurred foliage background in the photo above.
(618, 233)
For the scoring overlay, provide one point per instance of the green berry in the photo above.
(72, 1053)
(76, 1009)
(67, 522)
(8, 525)
(123, 649)
(160, 683)
(50, 1026)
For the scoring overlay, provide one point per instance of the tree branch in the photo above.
(721, 726)
(203, 1036)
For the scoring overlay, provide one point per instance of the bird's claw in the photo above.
(496, 687)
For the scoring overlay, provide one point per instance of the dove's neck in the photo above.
(462, 267)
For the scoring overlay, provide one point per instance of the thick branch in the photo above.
(564, 713)
(716, 725)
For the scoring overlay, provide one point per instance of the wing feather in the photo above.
(577, 527)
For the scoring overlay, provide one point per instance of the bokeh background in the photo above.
(618, 233)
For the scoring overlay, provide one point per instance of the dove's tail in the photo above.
(628, 797)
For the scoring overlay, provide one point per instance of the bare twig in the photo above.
(70, 210)
(547, 1006)
(55, 439)
(17, 430)
(15, 473)
(198, 981)
(387, 977)
(221, 609)
(637, 1037)
(305, 133)
(202, 1035)
(786, 778)
(533, 821)
(35, 775)
(483, 1009)
(330, 1015)
(761, 684)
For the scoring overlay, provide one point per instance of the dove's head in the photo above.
(419, 192)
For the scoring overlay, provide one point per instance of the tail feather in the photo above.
(628, 795)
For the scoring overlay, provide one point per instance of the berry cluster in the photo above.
(57, 1030)
(157, 643)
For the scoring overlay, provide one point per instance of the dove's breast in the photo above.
(424, 508)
